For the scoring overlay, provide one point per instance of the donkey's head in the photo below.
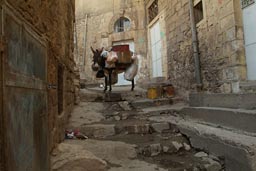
(97, 58)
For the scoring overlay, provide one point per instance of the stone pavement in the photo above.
(122, 137)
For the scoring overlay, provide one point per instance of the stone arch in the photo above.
(132, 19)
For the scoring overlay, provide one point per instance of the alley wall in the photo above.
(52, 26)
(220, 35)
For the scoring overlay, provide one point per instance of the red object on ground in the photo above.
(76, 132)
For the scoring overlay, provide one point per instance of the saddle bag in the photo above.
(131, 72)
(100, 74)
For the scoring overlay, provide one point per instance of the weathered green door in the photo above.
(25, 96)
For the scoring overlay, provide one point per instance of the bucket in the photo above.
(152, 93)
(169, 91)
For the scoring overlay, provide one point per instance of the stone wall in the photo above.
(53, 22)
(95, 27)
(220, 42)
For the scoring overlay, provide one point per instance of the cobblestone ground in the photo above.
(122, 138)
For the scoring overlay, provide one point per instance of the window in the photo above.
(122, 24)
(198, 11)
(153, 10)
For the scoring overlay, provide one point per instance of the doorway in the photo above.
(249, 15)
(121, 80)
(156, 46)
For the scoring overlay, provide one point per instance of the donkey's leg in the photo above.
(106, 83)
(132, 85)
(110, 79)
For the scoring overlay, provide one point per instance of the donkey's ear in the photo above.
(93, 51)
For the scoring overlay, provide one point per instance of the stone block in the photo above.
(138, 129)
(98, 130)
(73, 157)
(160, 127)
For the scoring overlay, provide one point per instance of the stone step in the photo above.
(238, 150)
(141, 127)
(68, 157)
(164, 109)
(98, 130)
(117, 94)
(248, 87)
(239, 119)
(121, 156)
(87, 95)
(150, 145)
(143, 103)
(122, 127)
(168, 148)
(235, 101)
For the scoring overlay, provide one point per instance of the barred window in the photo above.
(153, 10)
(122, 24)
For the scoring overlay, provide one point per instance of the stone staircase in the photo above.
(248, 87)
(223, 124)
(126, 131)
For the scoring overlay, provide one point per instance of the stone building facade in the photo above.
(112, 22)
(221, 44)
(37, 80)
(226, 55)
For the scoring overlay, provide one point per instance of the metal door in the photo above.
(249, 17)
(1, 97)
(156, 46)
(25, 98)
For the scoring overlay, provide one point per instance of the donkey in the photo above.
(101, 61)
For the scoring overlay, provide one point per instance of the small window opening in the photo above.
(60, 89)
(199, 11)
(122, 24)
(153, 10)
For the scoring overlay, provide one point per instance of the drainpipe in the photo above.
(85, 39)
(76, 40)
(195, 46)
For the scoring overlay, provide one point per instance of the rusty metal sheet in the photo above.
(25, 98)
(27, 130)
(2, 167)
(1, 116)
(25, 54)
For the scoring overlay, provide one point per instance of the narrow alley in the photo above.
(127, 85)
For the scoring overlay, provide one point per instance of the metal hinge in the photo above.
(52, 86)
